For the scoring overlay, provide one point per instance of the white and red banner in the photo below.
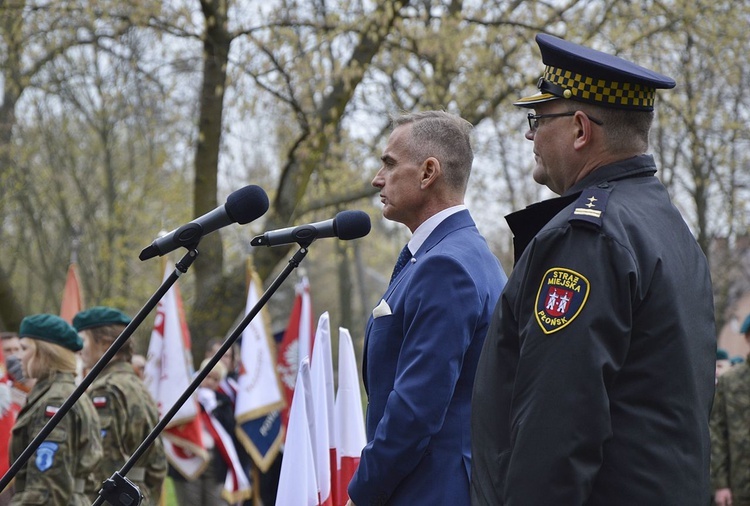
(349, 420)
(296, 343)
(168, 373)
(321, 376)
(297, 480)
(259, 396)
(72, 299)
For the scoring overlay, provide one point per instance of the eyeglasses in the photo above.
(534, 118)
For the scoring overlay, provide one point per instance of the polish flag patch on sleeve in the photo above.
(50, 411)
(99, 401)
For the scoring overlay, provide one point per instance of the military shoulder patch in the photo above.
(51, 411)
(99, 401)
(561, 297)
(590, 206)
(45, 455)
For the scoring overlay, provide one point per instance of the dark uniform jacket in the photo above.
(730, 434)
(60, 471)
(597, 375)
(128, 413)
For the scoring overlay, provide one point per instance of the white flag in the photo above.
(297, 482)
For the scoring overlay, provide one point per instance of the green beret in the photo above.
(721, 354)
(98, 317)
(51, 328)
(745, 325)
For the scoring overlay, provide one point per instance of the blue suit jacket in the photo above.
(418, 370)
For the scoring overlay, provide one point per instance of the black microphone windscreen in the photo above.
(352, 224)
(247, 204)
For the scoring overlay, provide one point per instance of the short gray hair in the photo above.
(443, 136)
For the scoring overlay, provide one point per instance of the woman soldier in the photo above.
(59, 473)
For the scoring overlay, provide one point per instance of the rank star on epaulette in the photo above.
(590, 206)
(561, 297)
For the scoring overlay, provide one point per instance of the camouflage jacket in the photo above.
(128, 413)
(730, 434)
(61, 468)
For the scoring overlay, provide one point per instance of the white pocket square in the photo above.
(382, 309)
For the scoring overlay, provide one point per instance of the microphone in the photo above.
(242, 206)
(346, 225)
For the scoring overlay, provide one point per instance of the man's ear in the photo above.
(431, 171)
(584, 130)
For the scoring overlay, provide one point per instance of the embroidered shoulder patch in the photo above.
(51, 411)
(562, 295)
(45, 455)
(99, 401)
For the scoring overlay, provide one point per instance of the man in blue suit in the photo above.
(423, 340)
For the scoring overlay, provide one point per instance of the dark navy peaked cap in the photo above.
(580, 73)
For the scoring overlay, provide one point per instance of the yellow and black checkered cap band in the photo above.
(598, 91)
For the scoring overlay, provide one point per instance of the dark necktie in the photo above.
(403, 259)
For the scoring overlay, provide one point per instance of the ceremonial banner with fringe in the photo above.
(259, 396)
(168, 373)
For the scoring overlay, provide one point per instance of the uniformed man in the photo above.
(61, 468)
(127, 411)
(730, 434)
(597, 375)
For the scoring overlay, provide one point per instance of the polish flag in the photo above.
(321, 375)
(349, 420)
(296, 343)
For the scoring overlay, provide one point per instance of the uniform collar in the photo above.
(637, 166)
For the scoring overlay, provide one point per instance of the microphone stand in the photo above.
(118, 490)
(182, 266)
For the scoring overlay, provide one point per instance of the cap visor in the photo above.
(535, 99)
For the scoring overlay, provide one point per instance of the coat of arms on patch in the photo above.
(562, 295)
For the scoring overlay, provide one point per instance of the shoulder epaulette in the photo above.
(590, 206)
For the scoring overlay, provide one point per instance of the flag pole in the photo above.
(112, 491)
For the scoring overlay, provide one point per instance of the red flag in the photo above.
(321, 376)
(168, 373)
(297, 481)
(297, 337)
(72, 299)
(8, 412)
(349, 420)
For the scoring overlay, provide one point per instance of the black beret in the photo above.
(98, 317)
(51, 328)
(587, 75)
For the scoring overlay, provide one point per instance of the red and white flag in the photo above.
(259, 396)
(168, 373)
(349, 420)
(321, 376)
(72, 299)
(297, 482)
(296, 343)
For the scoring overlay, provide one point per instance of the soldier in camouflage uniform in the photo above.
(61, 468)
(126, 410)
(730, 434)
